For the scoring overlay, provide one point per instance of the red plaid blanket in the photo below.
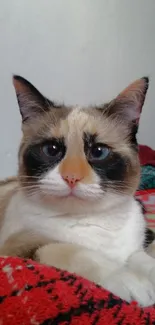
(34, 294)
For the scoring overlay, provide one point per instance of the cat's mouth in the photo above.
(72, 194)
(62, 197)
(82, 192)
(61, 193)
(78, 195)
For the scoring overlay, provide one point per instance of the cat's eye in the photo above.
(98, 151)
(53, 149)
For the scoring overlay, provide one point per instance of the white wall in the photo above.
(79, 51)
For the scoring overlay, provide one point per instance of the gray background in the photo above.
(77, 51)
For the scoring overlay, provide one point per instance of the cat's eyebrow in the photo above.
(89, 137)
(41, 141)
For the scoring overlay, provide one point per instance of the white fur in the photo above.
(53, 184)
(112, 228)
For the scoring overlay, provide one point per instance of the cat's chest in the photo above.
(90, 232)
(96, 232)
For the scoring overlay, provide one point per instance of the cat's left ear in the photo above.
(128, 104)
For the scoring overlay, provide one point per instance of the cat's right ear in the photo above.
(31, 101)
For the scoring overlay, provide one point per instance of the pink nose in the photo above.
(72, 180)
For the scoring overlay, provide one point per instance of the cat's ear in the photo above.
(31, 101)
(128, 104)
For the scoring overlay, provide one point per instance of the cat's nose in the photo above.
(71, 180)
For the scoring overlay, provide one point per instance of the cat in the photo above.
(72, 204)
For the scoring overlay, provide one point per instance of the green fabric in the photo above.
(147, 178)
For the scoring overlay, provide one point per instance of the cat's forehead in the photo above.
(74, 122)
(80, 121)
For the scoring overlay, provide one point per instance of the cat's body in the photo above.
(116, 229)
(74, 194)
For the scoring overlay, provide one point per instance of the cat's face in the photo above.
(79, 152)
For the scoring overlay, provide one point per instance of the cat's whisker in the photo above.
(28, 183)
(25, 188)
(26, 176)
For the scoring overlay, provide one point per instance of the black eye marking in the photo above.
(110, 166)
(41, 157)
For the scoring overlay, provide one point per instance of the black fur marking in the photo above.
(115, 167)
(36, 162)
(141, 205)
(133, 138)
(149, 237)
(111, 169)
(149, 234)
(89, 140)
(146, 88)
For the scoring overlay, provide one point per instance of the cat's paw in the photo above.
(76, 259)
(68, 257)
(131, 286)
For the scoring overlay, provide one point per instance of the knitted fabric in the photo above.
(35, 294)
(147, 178)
